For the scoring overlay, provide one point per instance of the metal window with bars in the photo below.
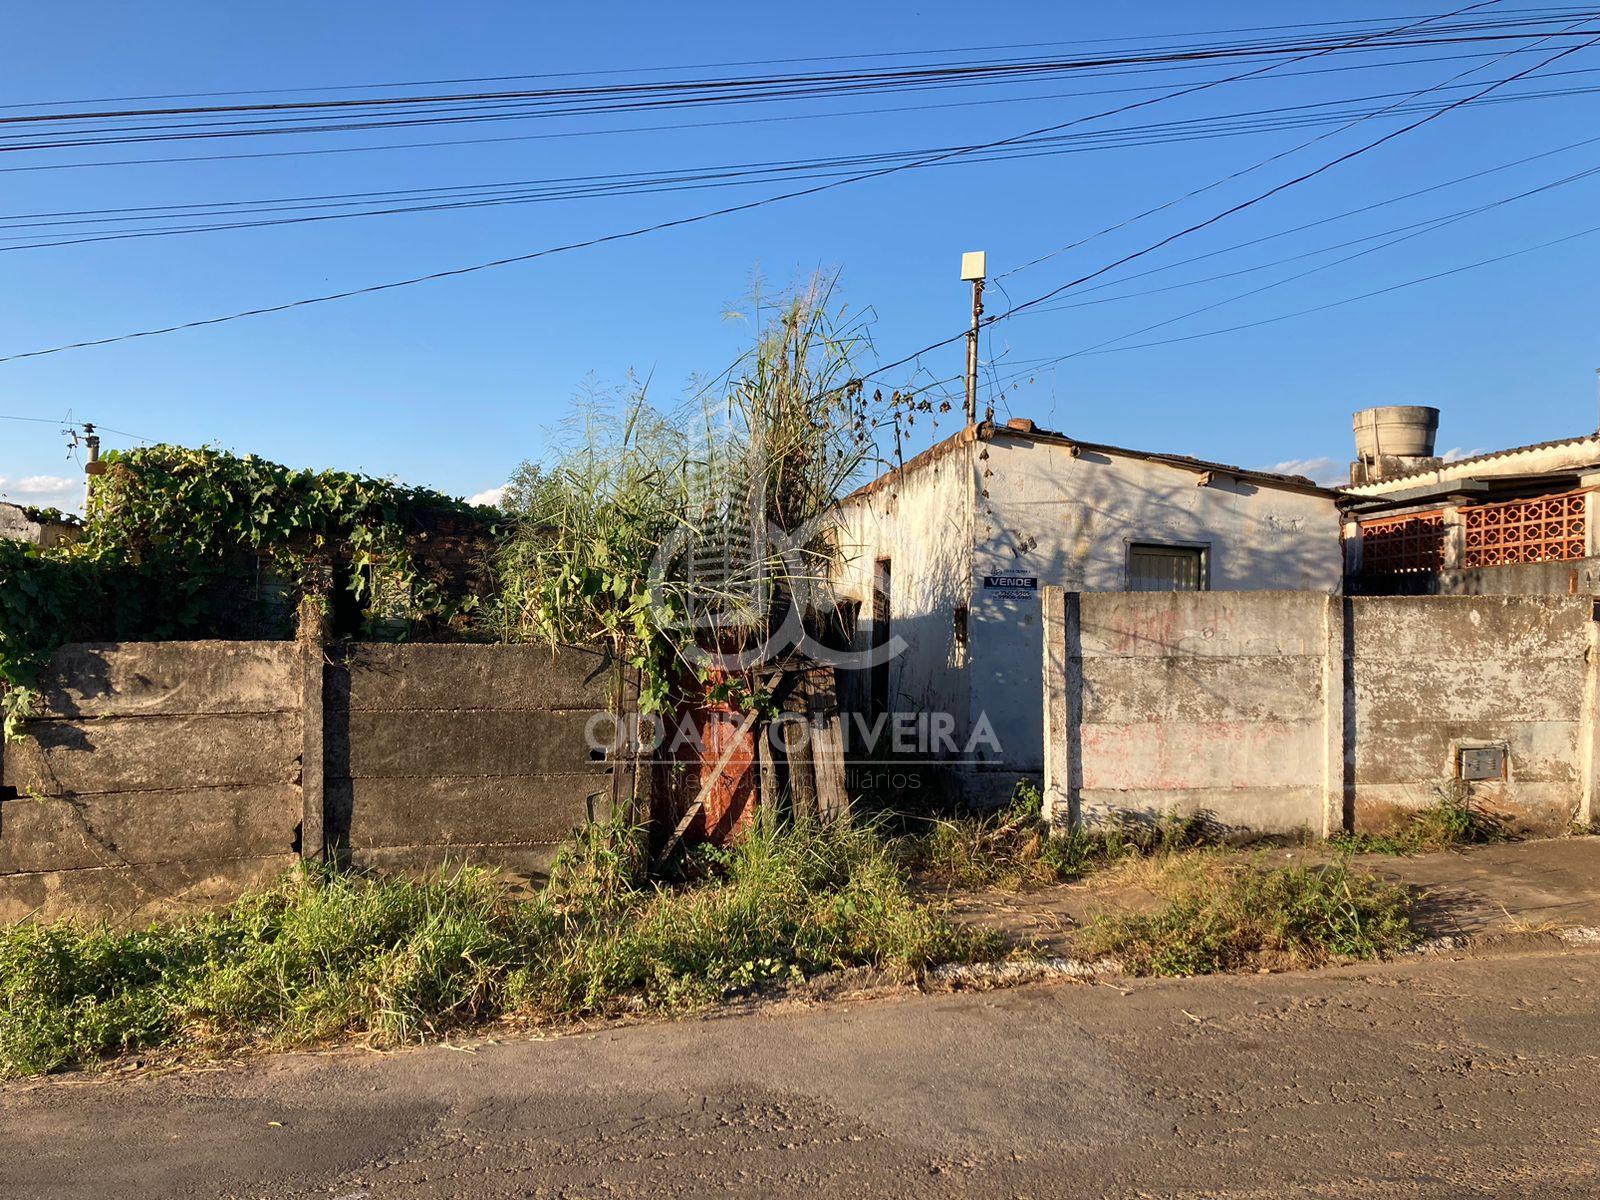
(1403, 545)
(1545, 529)
(1161, 568)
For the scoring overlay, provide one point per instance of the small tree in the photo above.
(646, 525)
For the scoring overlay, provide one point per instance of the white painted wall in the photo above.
(1016, 505)
(922, 523)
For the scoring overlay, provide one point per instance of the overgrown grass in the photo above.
(326, 954)
(1450, 820)
(1221, 916)
(1013, 847)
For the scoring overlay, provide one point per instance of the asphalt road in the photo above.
(1424, 1078)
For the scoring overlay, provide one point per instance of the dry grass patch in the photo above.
(1013, 847)
(1214, 913)
(1451, 820)
(327, 954)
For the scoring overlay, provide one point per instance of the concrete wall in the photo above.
(1283, 711)
(18, 524)
(462, 753)
(1579, 578)
(1199, 701)
(921, 520)
(1069, 519)
(1427, 674)
(175, 775)
(160, 773)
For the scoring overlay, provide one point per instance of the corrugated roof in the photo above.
(1472, 460)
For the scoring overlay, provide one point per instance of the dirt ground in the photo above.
(1431, 1077)
(1476, 891)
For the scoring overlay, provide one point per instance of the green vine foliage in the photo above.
(185, 542)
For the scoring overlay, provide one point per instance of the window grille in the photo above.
(1158, 568)
(1546, 529)
(1403, 545)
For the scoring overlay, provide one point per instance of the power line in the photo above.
(1230, 125)
(1412, 229)
(1395, 287)
(1352, 212)
(457, 199)
(659, 128)
(1415, 232)
(1446, 86)
(656, 227)
(1525, 13)
(1245, 204)
(35, 420)
(358, 114)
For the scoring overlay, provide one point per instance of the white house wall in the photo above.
(922, 523)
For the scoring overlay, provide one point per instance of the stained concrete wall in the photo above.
(18, 524)
(156, 774)
(1069, 519)
(175, 775)
(1202, 702)
(1280, 711)
(456, 753)
(920, 519)
(1430, 674)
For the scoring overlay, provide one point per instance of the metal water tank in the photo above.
(1397, 430)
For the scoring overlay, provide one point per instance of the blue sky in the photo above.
(452, 383)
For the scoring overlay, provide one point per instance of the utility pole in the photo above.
(92, 467)
(973, 268)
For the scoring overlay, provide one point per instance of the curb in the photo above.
(1017, 971)
(1004, 974)
(1576, 935)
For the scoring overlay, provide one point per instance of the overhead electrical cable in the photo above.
(509, 187)
(345, 115)
(678, 222)
(1405, 236)
(1345, 27)
(1244, 205)
(475, 196)
(1411, 229)
(386, 147)
(1382, 291)
(1339, 216)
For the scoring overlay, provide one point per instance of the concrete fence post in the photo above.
(1589, 722)
(311, 635)
(1455, 538)
(1062, 707)
(1335, 717)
